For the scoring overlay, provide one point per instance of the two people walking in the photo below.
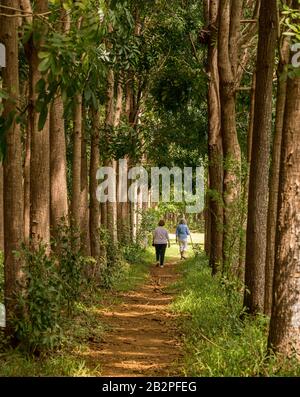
(161, 240)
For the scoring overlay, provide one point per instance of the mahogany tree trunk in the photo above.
(215, 150)
(76, 163)
(12, 166)
(84, 188)
(228, 35)
(58, 165)
(40, 144)
(259, 167)
(27, 181)
(274, 180)
(94, 203)
(284, 336)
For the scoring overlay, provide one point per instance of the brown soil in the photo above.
(142, 339)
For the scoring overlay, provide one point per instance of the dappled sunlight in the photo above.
(142, 337)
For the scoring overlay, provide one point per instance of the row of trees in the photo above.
(86, 83)
(90, 82)
(262, 204)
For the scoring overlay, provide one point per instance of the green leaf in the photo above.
(43, 117)
(43, 54)
(44, 65)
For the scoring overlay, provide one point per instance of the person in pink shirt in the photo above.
(160, 241)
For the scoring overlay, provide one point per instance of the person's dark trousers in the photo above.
(160, 250)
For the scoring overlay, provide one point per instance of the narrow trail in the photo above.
(142, 339)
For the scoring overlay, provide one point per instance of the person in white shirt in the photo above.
(160, 241)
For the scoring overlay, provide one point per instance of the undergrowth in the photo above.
(81, 332)
(217, 342)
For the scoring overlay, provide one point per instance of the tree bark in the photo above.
(109, 122)
(240, 271)
(76, 163)
(215, 151)
(229, 31)
(58, 165)
(274, 179)
(94, 204)
(259, 168)
(27, 180)
(84, 202)
(40, 155)
(284, 326)
(58, 154)
(12, 166)
(207, 224)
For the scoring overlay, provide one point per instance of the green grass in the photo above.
(217, 342)
(69, 359)
(81, 333)
(134, 274)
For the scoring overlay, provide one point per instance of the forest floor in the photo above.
(142, 337)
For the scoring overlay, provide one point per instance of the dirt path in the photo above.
(142, 339)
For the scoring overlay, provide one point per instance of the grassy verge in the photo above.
(217, 342)
(81, 333)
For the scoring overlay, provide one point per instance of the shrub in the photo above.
(67, 253)
(37, 325)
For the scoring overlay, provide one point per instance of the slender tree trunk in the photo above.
(123, 224)
(251, 120)
(58, 165)
(111, 207)
(84, 202)
(229, 31)
(274, 180)
(284, 334)
(94, 203)
(40, 154)
(76, 163)
(27, 180)
(259, 168)
(240, 271)
(215, 151)
(12, 166)
(207, 228)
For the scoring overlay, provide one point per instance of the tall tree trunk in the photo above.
(76, 163)
(12, 166)
(259, 168)
(123, 224)
(84, 202)
(251, 119)
(94, 204)
(229, 31)
(240, 271)
(207, 227)
(27, 180)
(274, 179)
(40, 154)
(215, 151)
(284, 334)
(58, 165)
(111, 207)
